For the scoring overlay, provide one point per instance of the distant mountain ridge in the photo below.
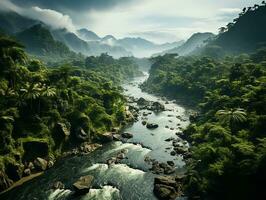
(82, 41)
(197, 40)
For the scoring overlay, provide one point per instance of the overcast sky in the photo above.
(157, 20)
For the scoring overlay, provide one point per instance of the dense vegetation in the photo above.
(246, 33)
(45, 111)
(228, 137)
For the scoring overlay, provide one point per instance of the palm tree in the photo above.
(31, 92)
(48, 91)
(231, 117)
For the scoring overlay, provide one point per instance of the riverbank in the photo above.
(144, 154)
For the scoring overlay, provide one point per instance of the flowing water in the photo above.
(129, 180)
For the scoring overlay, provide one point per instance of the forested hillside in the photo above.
(54, 108)
(227, 136)
(246, 33)
(39, 42)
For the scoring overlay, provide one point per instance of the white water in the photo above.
(129, 180)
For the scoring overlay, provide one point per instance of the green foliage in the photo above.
(228, 143)
(35, 101)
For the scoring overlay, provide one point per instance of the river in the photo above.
(129, 180)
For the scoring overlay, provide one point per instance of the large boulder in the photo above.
(107, 137)
(157, 106)
(58, 185)
(165, 180)
(127, 135)
(83, 184)
(5, 182)
(152, 125)
(142, 102)
(164, 192)
(40, 164)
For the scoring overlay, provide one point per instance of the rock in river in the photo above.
(152, 125)
(127, 135)
(83, 184)
(166, 188)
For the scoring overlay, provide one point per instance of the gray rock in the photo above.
(27, 172)
(58, 185)
(83, 184)
(152, 125)
(40, 164)
(127, 135)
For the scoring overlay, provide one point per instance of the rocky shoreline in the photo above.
(166, 186)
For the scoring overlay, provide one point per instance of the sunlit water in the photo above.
(129, 180)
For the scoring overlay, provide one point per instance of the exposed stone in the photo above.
(157, 106)
(117, 137)
(141, 101)
(58, 185)
(169, 139)
(144, 123)
(180, 150)
(171, 163)
(40, 164)
(164, 192)
(111, 161)
(127, 135)
(173, 153)
(83, 184)
(27, 172)
(165, 180)
(121, 156)
(152, 125)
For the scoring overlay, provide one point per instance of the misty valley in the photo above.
(132, 100)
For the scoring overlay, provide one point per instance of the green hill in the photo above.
(39, 42)
(246, 33)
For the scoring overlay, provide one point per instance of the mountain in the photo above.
(87, 35)
(39, 41)
(196, 41)
(138, 46)
(82, 41)
(11, 22)
(89, 48)
(71, 40)
(246, 33)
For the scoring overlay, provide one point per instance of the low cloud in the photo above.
(51, 17)
(230, 10)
